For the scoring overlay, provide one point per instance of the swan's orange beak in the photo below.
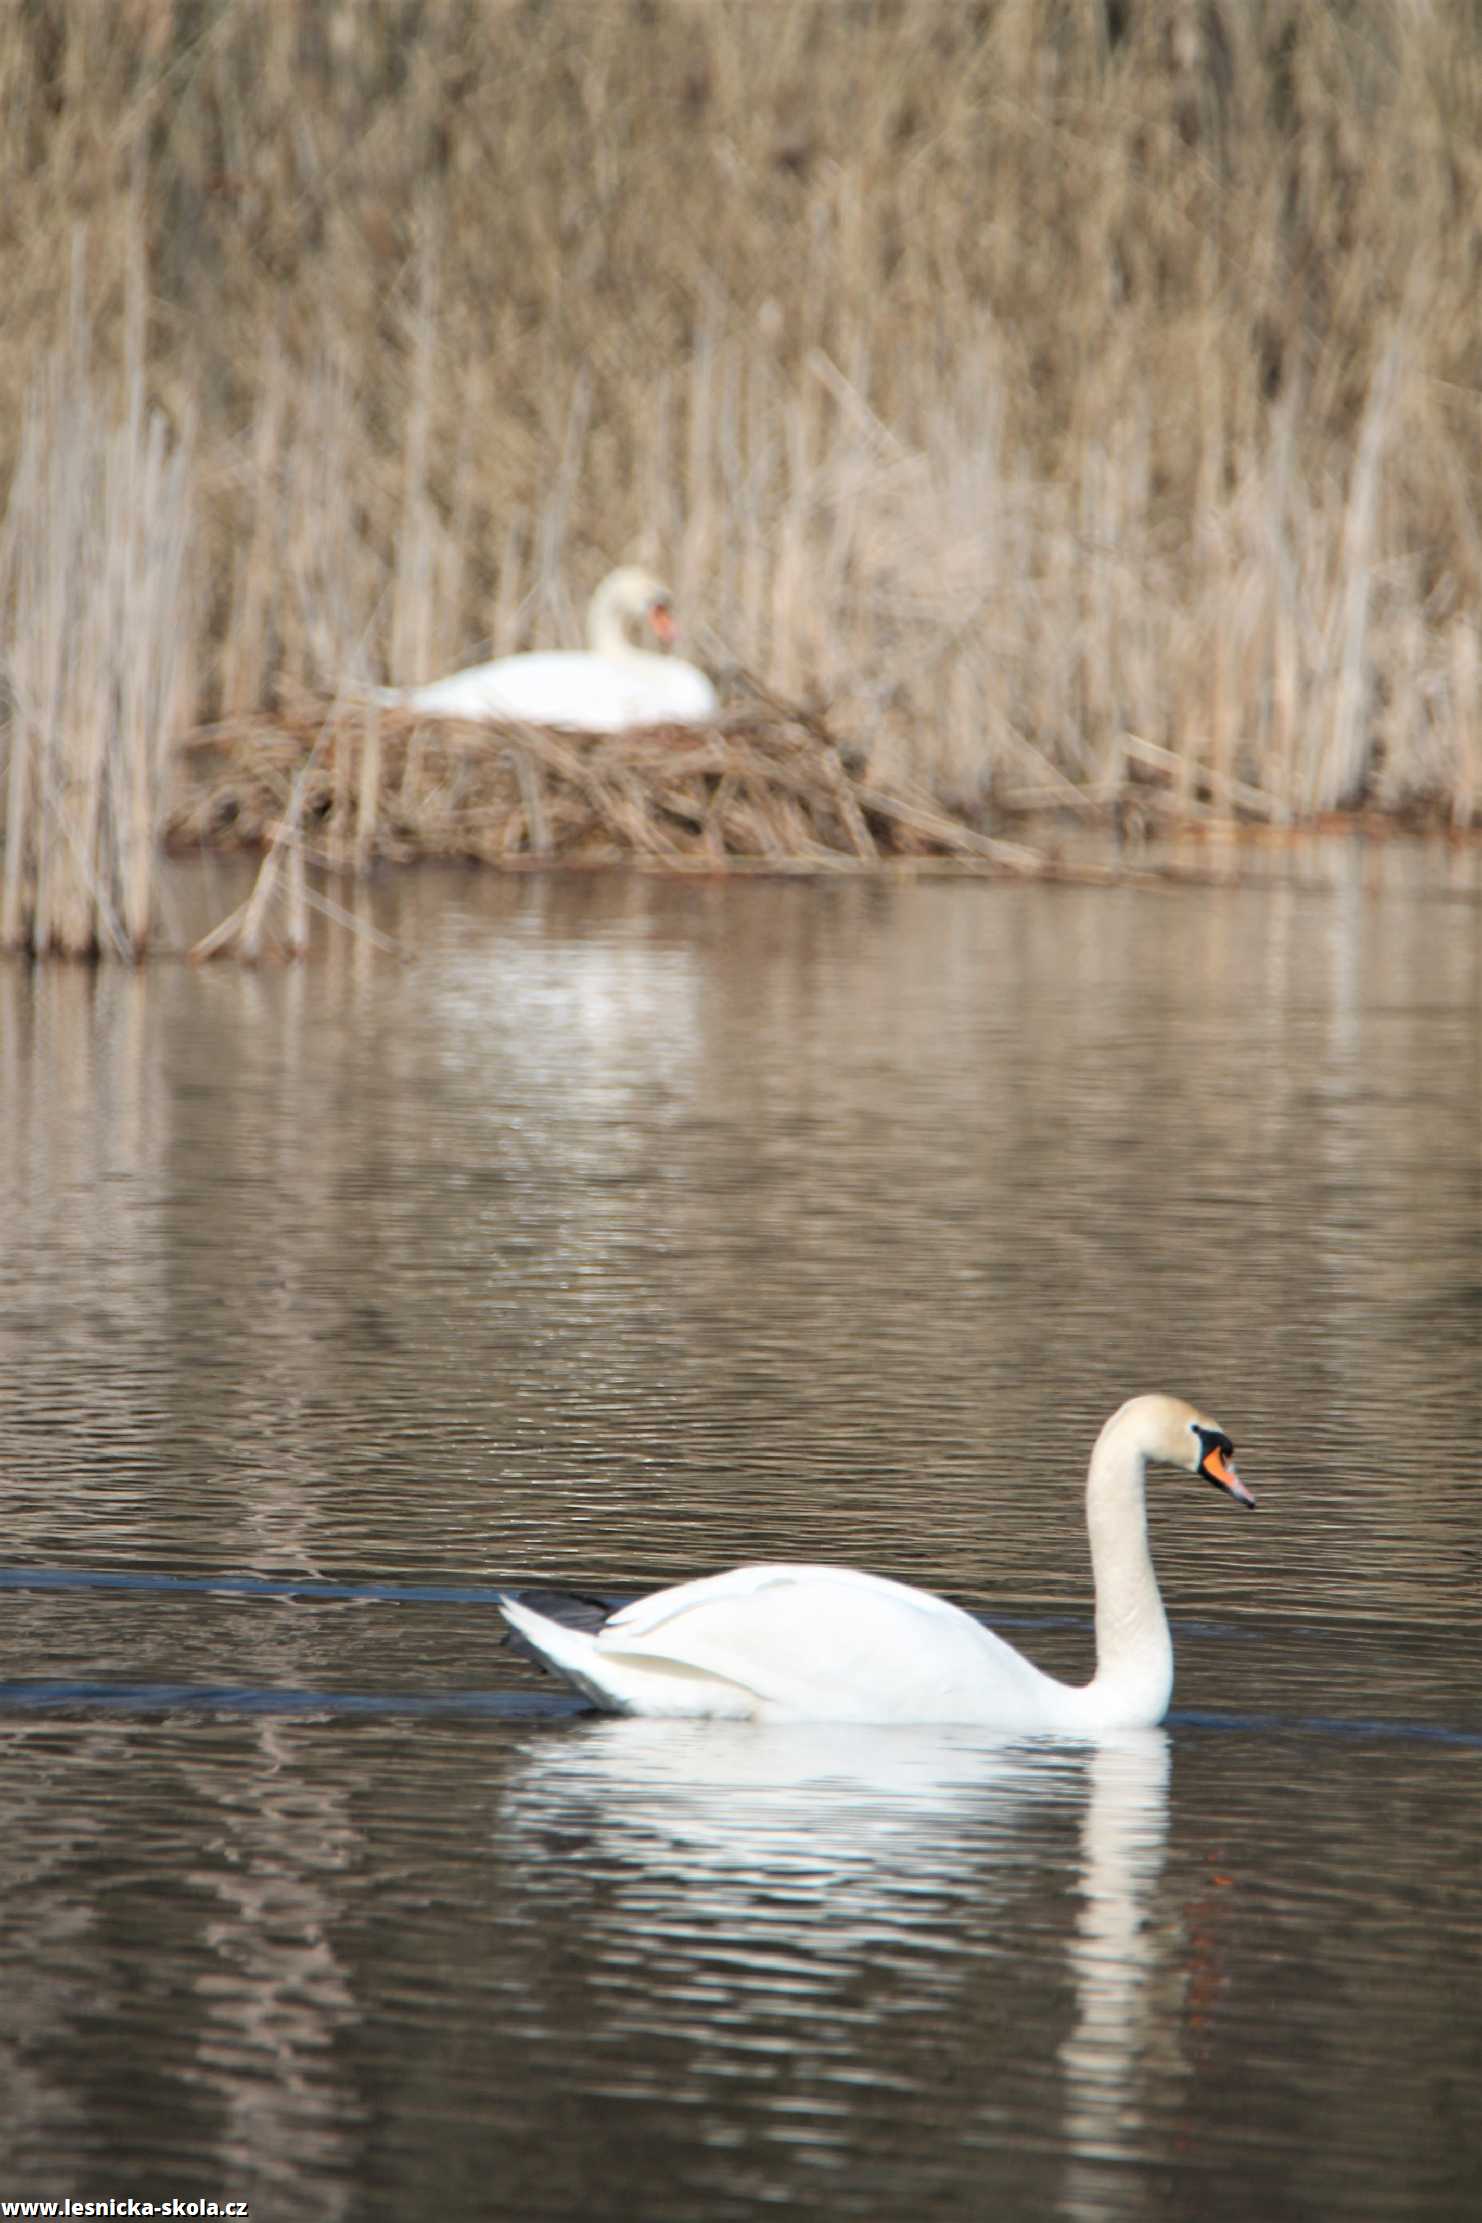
(1219, 1469)
(661, 618)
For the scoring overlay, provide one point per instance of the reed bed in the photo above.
(94, 616)
(1053, 392)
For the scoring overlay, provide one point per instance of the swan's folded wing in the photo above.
(825, 1643)
(572, 689)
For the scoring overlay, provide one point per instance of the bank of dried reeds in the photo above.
(95, 621)
(1048, 389)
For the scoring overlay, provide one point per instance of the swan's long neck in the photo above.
(607, 621)
(1134, 1652)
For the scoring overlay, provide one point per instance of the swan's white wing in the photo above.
(830, 1644)
(679, 691)
(572, 688)
(549, 688)
(661, 1607)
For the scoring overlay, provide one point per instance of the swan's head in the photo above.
(1179, 1435)
(634, 601)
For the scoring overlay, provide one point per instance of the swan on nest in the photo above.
(611, 685)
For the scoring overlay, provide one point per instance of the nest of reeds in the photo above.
(351, 783)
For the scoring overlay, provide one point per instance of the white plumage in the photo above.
(803, 1643)
(608, 687)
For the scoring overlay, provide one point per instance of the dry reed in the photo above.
(94, 611)
(1054, 392)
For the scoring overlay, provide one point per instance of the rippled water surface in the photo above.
(609, 1231)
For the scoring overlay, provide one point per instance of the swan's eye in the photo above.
(1216, 1454)
(1211, 1439)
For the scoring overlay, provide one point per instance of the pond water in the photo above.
(605, 1231)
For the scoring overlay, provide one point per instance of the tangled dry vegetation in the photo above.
(351, 783)
(1061, 393)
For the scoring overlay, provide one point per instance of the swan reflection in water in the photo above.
(1126, 2019)
(787, 1927)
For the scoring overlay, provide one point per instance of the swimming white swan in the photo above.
(609, 686)
(785, 1643)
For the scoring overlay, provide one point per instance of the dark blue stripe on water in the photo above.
(309, 1587)
(56, 1696)
(44, 1696)
(1323, 1725)
(314, 1589)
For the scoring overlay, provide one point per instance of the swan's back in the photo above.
(803, 1643)
(573, 689)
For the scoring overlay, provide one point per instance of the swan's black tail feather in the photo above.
(574, 1609)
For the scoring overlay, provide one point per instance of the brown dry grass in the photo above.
(1041, 383)
(346, 784)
